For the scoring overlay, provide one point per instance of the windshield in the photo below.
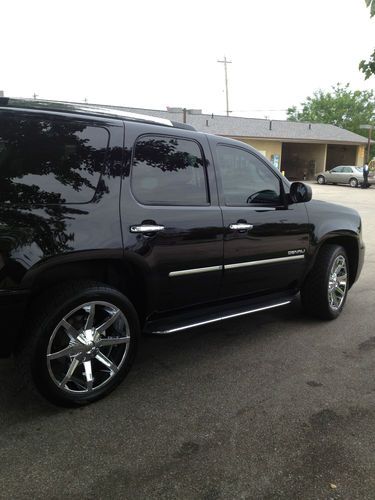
(360, 169)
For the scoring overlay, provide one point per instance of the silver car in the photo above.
(344, 174)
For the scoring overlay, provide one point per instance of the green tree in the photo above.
(368, 67)
(340, 106)
(371, 4)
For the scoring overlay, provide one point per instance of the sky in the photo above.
(154, 54)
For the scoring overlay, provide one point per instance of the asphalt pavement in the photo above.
(270, 406)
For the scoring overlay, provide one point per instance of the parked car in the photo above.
(344, 174)
(113, 224)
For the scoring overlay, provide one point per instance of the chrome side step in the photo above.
(212, 318)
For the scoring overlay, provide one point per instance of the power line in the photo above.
(248, 110)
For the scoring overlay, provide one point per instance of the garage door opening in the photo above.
(340, 155)
(302, 161)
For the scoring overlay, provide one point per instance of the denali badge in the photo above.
(297, 252)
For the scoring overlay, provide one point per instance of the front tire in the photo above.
(82, 344)
(353, 182)
(321, 180)
(324, 292)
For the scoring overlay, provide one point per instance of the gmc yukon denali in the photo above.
(113, 224)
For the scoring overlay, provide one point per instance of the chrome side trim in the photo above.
(265, 261)
(234, 266)
(197, 270)
(222, 318)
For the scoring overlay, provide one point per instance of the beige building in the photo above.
(298, 149)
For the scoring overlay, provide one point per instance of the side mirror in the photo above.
(300, 192)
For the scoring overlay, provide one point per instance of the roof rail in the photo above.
(88, 109)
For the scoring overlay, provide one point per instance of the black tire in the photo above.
(48, 312)
(353, 182)
(315, 291)
(321, 179)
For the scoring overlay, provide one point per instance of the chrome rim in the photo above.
(88, 347)
(353, 183)
(337, 284)
(321, 180)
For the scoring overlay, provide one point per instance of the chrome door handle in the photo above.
(146, 228)
(241, 226)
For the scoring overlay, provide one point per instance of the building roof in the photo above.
(255, 128)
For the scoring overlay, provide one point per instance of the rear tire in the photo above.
(324, 292)
(353, 182)
(321, 179)
(81, 343)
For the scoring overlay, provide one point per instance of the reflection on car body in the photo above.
(344, 174)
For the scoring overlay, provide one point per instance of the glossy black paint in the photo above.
(44, 245)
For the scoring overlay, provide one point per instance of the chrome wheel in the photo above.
(353, 183)
(337, 283)
(88, 347)
(321, 179)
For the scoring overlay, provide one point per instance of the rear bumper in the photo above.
(12, 309)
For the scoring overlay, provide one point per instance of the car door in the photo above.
(347, 174)
(336, 175)
(265, 241)
(172, 223)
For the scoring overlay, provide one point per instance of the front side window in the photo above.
(168, 171)
(245, 179)
(337, 170)
(48, 161)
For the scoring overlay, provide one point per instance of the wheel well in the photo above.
(351, 248)
(123, 276)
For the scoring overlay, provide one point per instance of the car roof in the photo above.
(86, 109)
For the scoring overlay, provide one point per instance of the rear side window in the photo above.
(168, 171)
(44, 161)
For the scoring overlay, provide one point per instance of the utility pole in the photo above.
(226, 62)
(370, 129)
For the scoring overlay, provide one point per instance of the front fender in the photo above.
(337, 224)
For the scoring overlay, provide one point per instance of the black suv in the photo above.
(112, 224)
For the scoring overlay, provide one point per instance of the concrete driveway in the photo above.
(272, 406)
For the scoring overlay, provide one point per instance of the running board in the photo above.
(174, 325)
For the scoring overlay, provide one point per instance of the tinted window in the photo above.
(168, 171)
(45, 161)
(337, 170)
(245, 179)
(347, 170)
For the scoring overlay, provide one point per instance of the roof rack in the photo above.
(88, 109)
